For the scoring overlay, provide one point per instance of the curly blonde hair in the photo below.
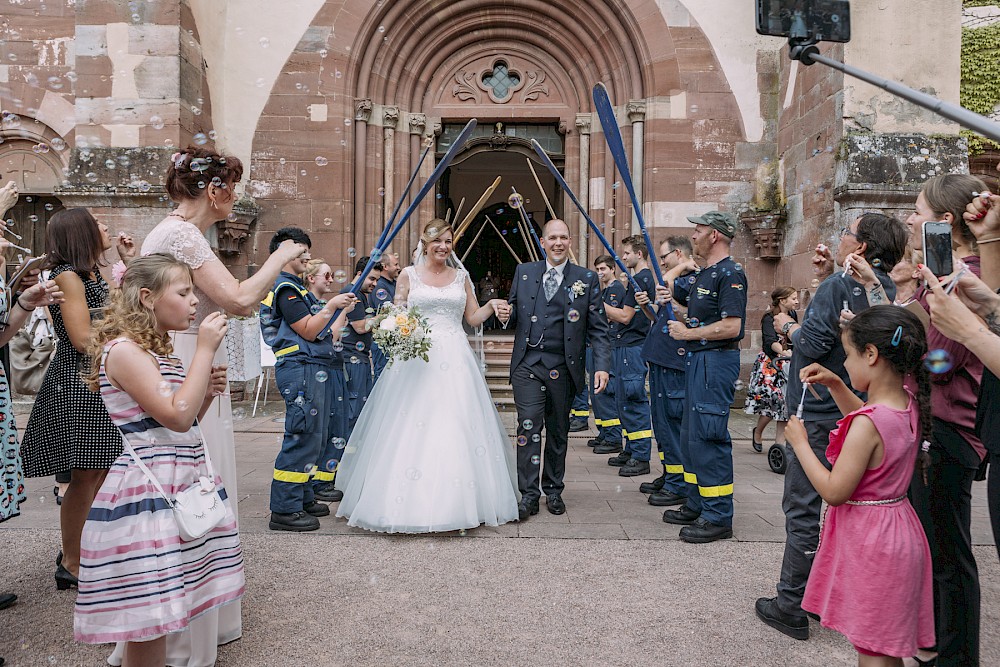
(128, 317)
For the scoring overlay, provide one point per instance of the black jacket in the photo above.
(592, 323)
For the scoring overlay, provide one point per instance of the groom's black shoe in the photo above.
(555, 504)
(526, 509)
(608, 448)
(634, 468)
(620, 460)
(685, 516)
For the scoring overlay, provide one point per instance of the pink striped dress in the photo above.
(138, 580)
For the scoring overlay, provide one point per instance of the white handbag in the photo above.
(197, 508)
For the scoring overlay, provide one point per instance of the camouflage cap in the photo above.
(717, 220)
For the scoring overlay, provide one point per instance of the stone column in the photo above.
(418, 128)
(583, 121)
(390, 118)
(362, 114)
(636, 110)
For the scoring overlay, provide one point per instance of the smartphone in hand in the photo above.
(937, 247)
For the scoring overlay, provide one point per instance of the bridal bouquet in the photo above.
(402, 333)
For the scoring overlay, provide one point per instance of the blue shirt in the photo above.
(711, 295)
(614, 295)
(634, 333)
(356, 344)
(659, 348)
(384, 292)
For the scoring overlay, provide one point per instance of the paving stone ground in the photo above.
(607, 583)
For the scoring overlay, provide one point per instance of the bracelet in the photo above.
(17, 302)
(993, 239)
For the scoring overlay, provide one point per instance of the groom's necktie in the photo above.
(550, 285)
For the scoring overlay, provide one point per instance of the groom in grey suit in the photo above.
(556, 308)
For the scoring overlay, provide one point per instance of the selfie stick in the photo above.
(607, 246)
(804, 50)
(456, 146)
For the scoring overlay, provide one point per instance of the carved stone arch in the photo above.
(33, 155)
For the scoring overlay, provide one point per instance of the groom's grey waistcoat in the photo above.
(545, 336)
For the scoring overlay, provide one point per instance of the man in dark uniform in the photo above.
(666, 386)
(609, 426)
(358, 342)
(628, 371)
(716, 298)
(384, 292)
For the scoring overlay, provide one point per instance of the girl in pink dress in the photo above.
(871, 579)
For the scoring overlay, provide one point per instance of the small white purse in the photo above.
(197, 508)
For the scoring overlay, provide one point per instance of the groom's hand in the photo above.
(502, 309)
(600, 381)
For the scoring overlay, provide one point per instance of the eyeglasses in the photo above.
(327, 276)
(667, 254)
(846, 231)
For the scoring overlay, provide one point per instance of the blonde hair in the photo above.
(127, 316)
(312, 268)
(433, 230)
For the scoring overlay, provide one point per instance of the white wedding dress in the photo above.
(429, 452)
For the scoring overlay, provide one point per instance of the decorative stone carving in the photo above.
(563, 127)
(465, 88)
(232, 233)
(636, 111)
(363, 110)
(500, 80)
(767, 228)
(583, 121)
(535, 86)
(390, 117)
(418, 122)
(499, 140)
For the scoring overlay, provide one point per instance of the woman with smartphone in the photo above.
(944, 501)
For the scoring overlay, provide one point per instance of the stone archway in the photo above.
(417, 65)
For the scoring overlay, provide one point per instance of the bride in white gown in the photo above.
(429, 452)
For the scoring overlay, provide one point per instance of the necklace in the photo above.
(175, 214)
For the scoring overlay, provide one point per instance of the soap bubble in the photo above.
(739, 385)
(413, 474)
(165, 388)
(815, 282)
(339, 443)
(521, 441)
(200, 139)
(612, 213)
(536, 459)
(573, 315)
(351, 252)
(327, 221)
(681, 351)
(381, 294)
(340, 276)
(515, 200)
(322, 376)
(527, 424)
(264, 42)
(554, 374)
(359, 346)
(321, 161)
(938, 361)
(315, 308)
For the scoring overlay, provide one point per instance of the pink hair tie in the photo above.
(173, 158)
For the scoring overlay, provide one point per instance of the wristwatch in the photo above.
(785, 327)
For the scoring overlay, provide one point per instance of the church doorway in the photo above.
(493, 241)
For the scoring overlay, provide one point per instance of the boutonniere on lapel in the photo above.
(578, 289)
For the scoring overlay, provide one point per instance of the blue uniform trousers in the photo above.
(581, 406)
(306, 416)
(609, 427)
(707, 450)
(631, 401)
(358, 369)
(335, 435)
(666, 400)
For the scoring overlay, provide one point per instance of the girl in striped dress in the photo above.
(139, 581)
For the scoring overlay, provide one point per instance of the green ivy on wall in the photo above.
(980, 83)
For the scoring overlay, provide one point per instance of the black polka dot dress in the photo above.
(69, 426)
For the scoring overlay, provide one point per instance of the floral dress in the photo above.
(766, 391)
(12, 475)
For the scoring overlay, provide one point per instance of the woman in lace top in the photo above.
(201, 182)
